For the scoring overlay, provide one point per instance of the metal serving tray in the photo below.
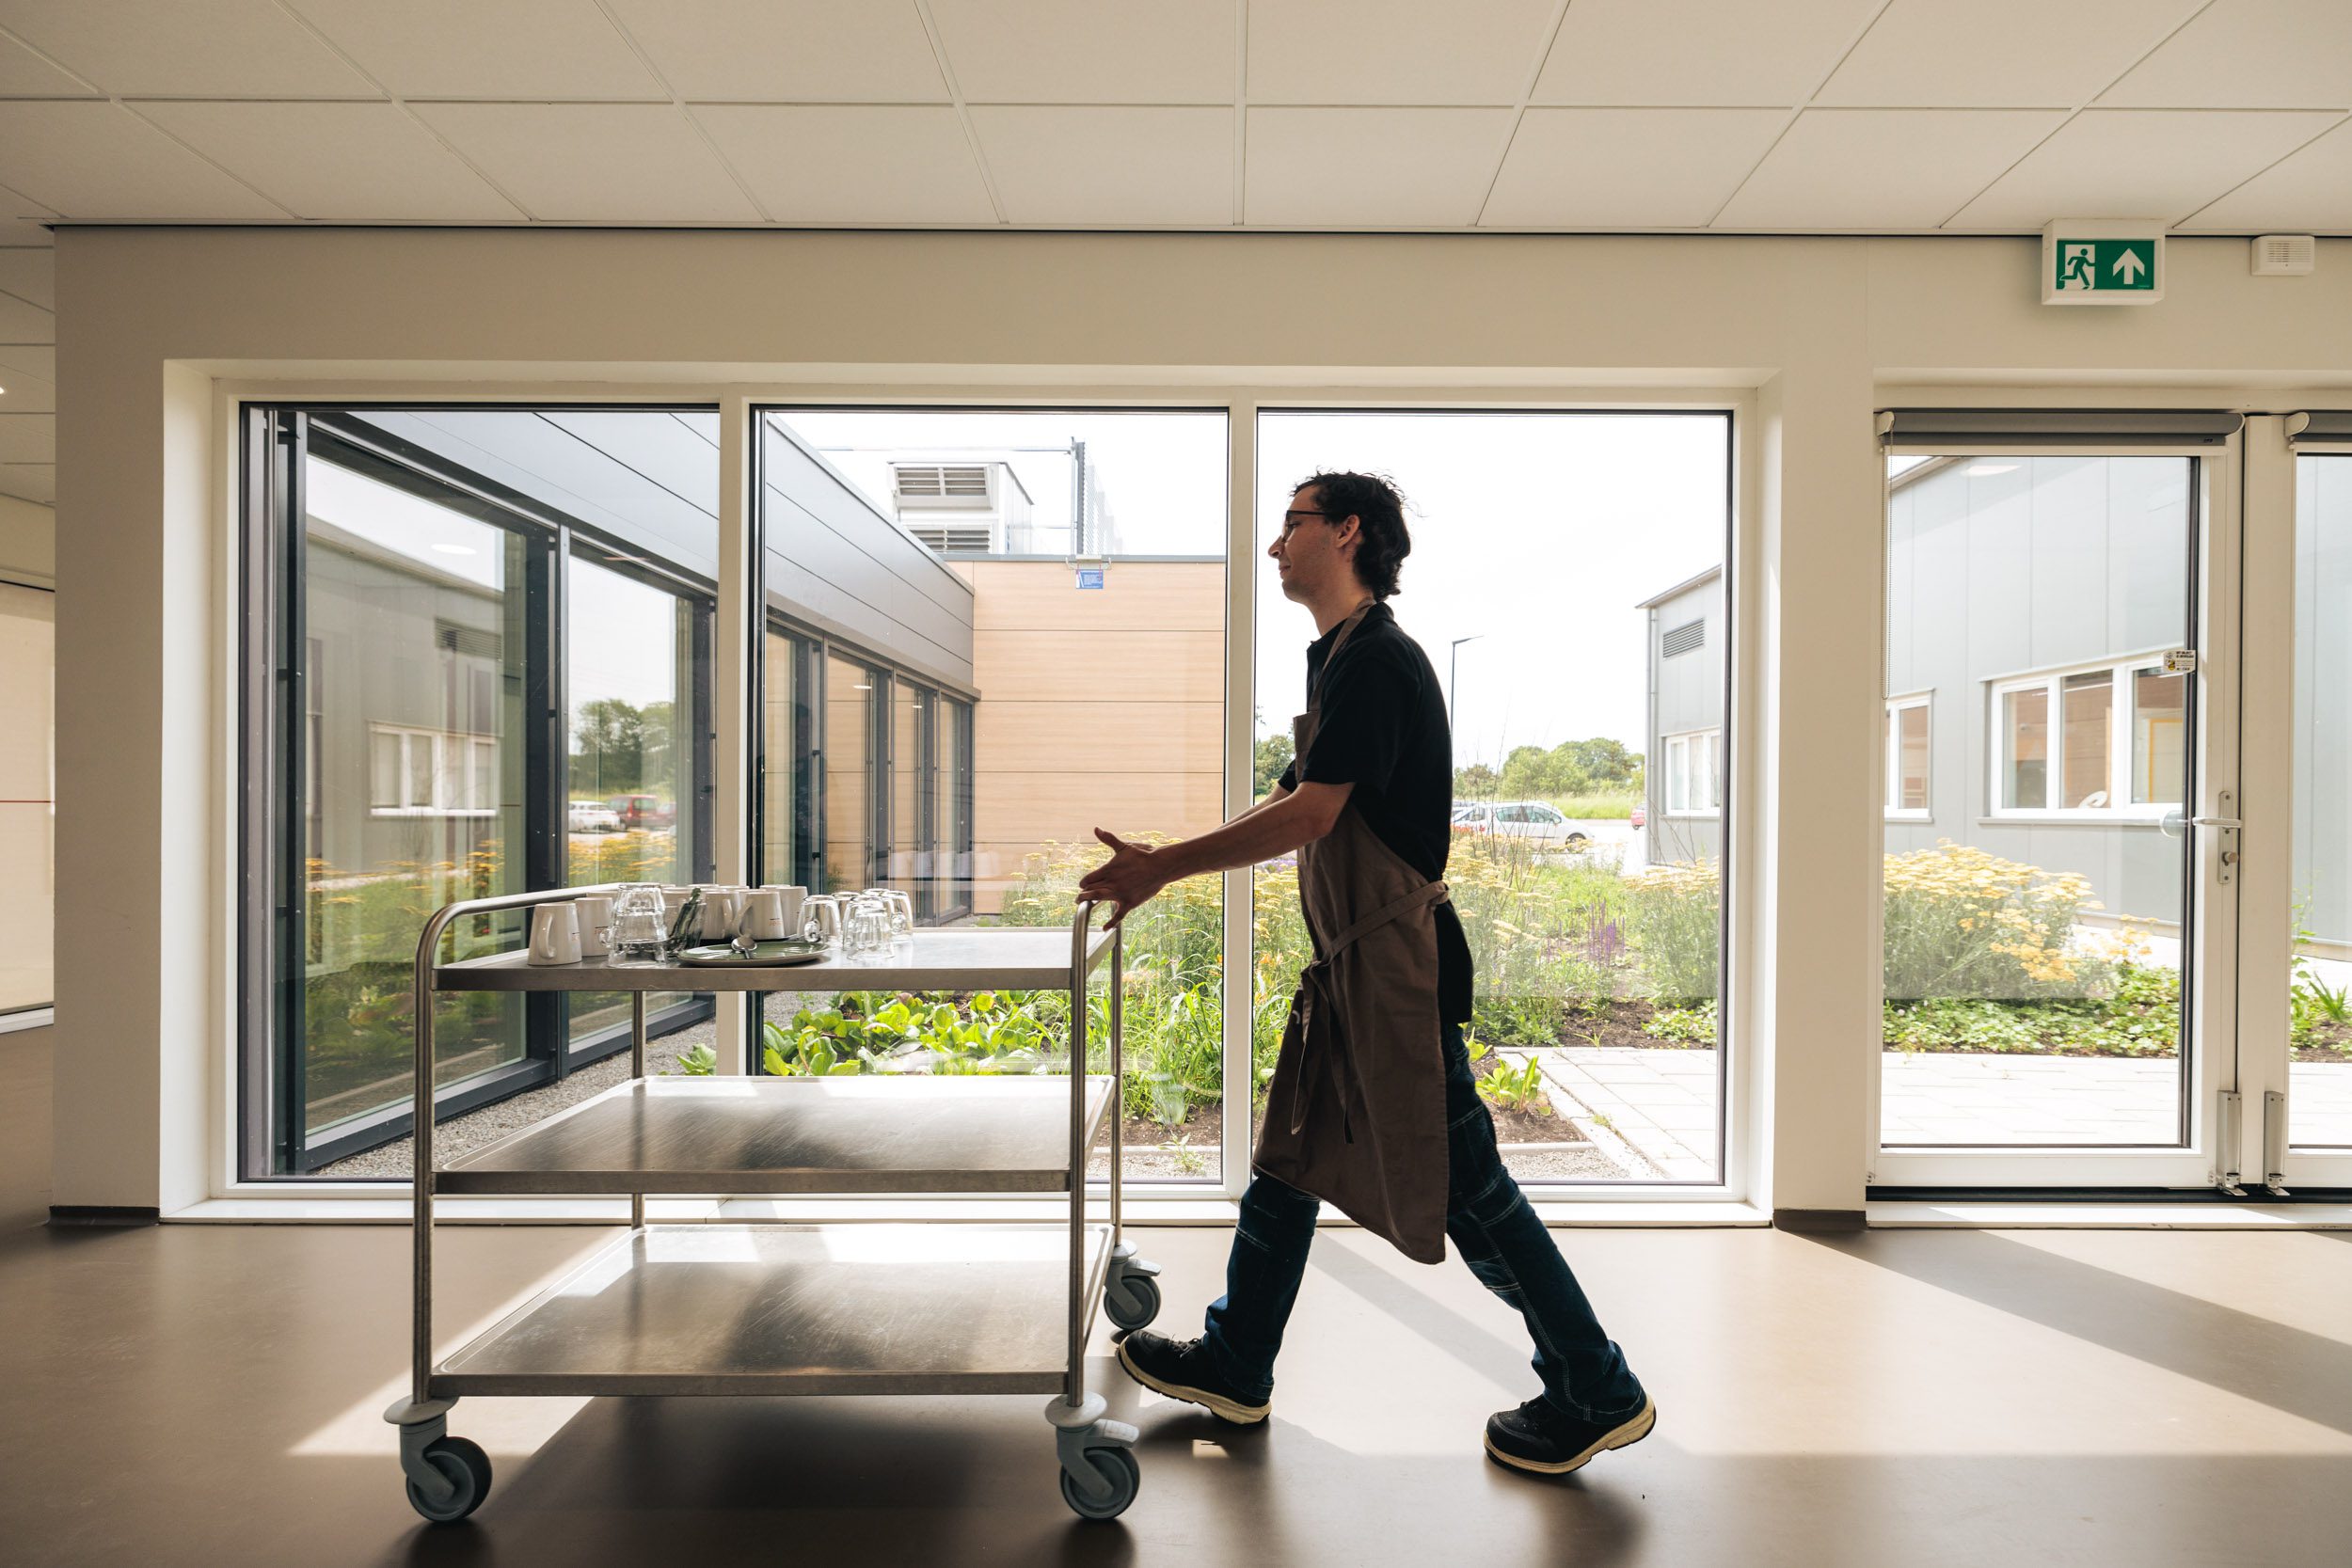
(794, 1309)
(934, 958)
(872, 1134)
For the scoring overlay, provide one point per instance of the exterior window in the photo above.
(1691, 774)
(1908, 723)
(2120, 740)
(431, 772)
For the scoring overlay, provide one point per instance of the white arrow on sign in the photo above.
(2128, 266)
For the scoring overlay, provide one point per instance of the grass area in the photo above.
(1599, 807)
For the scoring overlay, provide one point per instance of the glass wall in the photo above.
(2036, 870)
(478, 664)
(28, 812)
(1022, 622)
(789, 792)
(1567, 581)
(2319, 1097)
(637, 663)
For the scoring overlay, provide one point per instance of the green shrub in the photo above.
(1963, 922)
(1674, 919)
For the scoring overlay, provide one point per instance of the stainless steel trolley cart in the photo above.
(783, 1308)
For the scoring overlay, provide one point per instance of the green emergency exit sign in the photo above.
(2102, 263)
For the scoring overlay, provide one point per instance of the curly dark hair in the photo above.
(1378, 507)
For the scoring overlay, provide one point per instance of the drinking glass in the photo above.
(640, 921)
(821, 918)
(865, 929)
(901, 914)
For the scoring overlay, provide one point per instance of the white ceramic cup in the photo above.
(722, 911)
(596, 924)
(763, 915)
(793, 897)
(554, 934)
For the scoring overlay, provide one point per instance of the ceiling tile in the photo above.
(2250, 55)
(852, 163)
(24, 232)
(27, 394)
(2139, 163)
(22, 321)
(594, 163)
(513, 49)
(1085, 51)
(28, 437)
(349, 163)
(1377, 167)
(30, 275)
(1999, 54)
(1877, 169)
(2310, 191)
(30, 482)
(1626, 168)
(1698, 51)
(25, 74)
(1120, 164)
(19, 205)
(99, 161)
(814, 51)
(38, 359)
(185, 48)
(1396, 52)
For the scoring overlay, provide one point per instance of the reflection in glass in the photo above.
(909, 707)
(27, 811)
(2032, 965)
(850, 782)
(2319, 1075)
(415, 660)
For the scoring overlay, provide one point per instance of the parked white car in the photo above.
(595, 817)
(1528, 819)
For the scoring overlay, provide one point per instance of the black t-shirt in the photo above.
(1384, 731)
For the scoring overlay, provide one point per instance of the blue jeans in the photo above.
(1506, 1246)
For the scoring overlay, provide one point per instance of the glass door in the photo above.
(2298, 1008)
(2059, 769)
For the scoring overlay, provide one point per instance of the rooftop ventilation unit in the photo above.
(943, 486)
(973, 539)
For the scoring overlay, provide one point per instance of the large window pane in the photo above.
(428, 579)
(2319, 1097)
(407, 601)
(28, 809)
(632, 673)
(1580, 624)
(2034, 897)
(987, 706)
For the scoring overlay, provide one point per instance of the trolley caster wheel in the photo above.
(466, 1470)
(1115, 1479)
(1131, 1303)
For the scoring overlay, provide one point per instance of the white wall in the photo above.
(156, 325)
(28, 542)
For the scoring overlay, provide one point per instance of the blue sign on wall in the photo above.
(1089, 576)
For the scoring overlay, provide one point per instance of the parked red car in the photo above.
(1641, 814)
(638, 811)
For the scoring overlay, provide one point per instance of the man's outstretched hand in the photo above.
(1125, 881)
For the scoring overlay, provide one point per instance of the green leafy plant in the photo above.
(698, 1062)
(1519, 1088)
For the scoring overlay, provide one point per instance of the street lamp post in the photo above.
(1452, 662)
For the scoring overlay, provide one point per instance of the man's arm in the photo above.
(1273, 826)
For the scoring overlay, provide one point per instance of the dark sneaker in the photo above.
(1179, 1369)
(1542, 1437)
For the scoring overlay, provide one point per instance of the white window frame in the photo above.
(442, 745)
(1896, 707)
(2121, 725)
(1677, 749)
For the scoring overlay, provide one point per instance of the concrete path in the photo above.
(1661, 1103)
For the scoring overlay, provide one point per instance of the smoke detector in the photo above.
(2285, 254)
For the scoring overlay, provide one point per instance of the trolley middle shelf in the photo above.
(689, 1309)
(896, 1133)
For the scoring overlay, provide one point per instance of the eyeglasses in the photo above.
(1289, 525)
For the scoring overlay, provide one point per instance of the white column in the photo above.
(1241, 642)
(735, 644)
(1811, 994)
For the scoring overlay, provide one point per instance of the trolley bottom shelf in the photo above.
(861, 1308)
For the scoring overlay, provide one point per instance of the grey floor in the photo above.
(199, 1394)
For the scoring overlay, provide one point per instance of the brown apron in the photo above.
(1356, 1112)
